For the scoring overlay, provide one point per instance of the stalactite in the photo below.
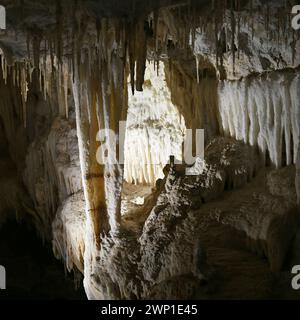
(252, 18)
(233, 34)
(141, 51)
(28, 45)
(95, 210)
(238, 26)
(24, 90)
(65, 87)
(131, 55)
(267, 20)
(59, 30)
(87, 151)
(263, 112)
(155, 27)
(216, 27)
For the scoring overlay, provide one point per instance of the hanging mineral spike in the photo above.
(233, 34)
(59, 30)
(141, 52)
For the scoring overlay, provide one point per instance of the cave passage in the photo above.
(32, 272)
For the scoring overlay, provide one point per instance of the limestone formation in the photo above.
(144, 228)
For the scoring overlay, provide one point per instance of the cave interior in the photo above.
(102, 104)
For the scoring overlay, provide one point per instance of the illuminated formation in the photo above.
(72, 68)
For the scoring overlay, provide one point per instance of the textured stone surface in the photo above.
(223, 233)
(193, 248)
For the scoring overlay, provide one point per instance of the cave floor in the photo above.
(31, 270)
(137, 202)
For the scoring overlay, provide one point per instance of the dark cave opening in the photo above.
(32, 272)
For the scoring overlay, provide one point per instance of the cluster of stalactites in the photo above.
(52, 61)
(19, 73)
(135, 36)
(230, 18)
(223, 21)
(264, 112)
